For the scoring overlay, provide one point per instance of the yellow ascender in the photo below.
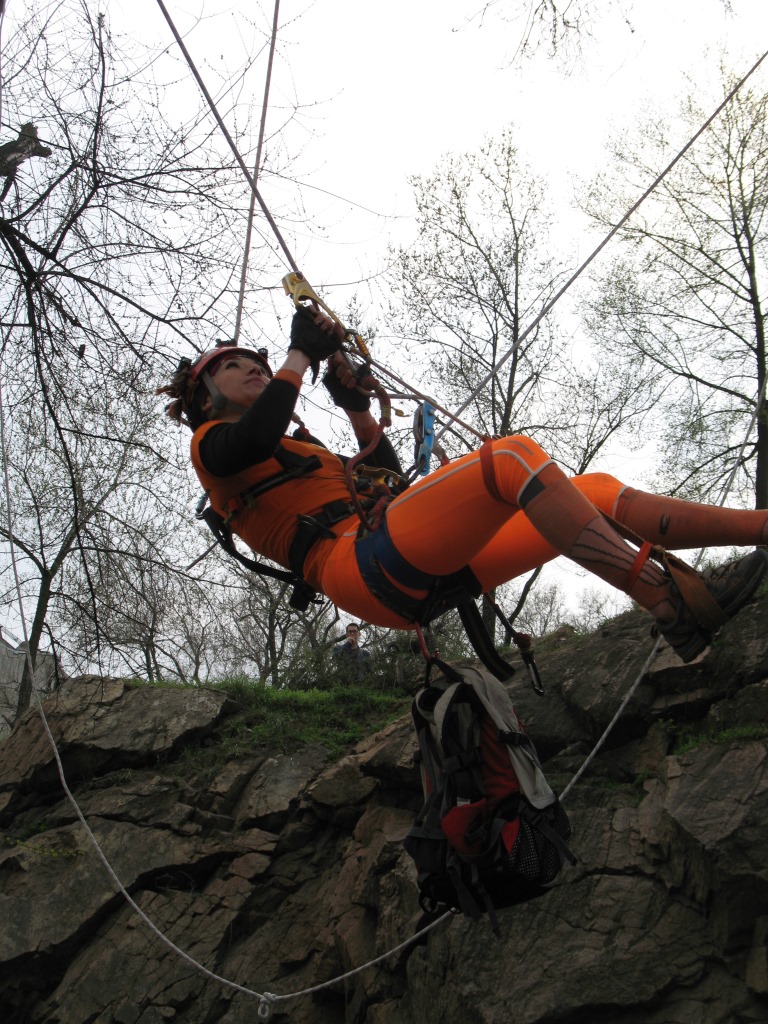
(300, 290)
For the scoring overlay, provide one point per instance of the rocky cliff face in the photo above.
(282, 873)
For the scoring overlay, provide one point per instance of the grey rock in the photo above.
(282, 873)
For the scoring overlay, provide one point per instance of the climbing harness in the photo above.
(385, 572)
(309, 529)
(382, 568)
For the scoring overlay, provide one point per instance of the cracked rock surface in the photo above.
(284, 872)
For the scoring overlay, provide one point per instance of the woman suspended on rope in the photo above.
(475, 523)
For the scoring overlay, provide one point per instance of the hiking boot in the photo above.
(731, 585)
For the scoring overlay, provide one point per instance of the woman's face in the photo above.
(239, 379)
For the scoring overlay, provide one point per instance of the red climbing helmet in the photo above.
(210, 359)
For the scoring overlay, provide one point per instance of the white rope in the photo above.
(59, 766)
(272, 998)
(609, 728)
(726, 491)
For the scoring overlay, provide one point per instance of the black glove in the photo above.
(308, 338)
(346, 398)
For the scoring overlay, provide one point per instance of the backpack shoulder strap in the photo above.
(498, 705)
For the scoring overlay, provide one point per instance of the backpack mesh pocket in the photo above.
(535, 856)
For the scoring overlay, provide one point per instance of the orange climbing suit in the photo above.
(466, 513)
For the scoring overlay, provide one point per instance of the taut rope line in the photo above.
(256, 169)
(230, 141)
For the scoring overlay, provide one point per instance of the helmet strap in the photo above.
(218, 402)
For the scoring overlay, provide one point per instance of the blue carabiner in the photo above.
(424, 428)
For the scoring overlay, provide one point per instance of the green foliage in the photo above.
(36, 828)
(249, 693)
(630, 792)
(43, 850)
(688, 736)
(29, 840)
(335, 718)
(644, 776)
(688, 740)
(274, 722)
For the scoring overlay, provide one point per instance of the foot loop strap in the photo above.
(691, 587)
(694, 592)
(637, 566)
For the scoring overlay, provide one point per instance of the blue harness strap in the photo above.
(376, 552)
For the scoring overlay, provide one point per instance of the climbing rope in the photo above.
(270, 999)
(52, 741)
(230, 141)
(256, 169)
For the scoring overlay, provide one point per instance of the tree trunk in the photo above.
(148, 663)
(761, 469)
(38, 624)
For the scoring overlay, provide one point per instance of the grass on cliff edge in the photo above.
(275, 722)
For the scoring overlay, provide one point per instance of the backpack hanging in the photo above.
(491, 832)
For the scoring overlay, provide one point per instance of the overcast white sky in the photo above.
(387, 88)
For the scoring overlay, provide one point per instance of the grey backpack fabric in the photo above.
(491, 832)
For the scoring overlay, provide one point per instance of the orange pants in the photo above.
(449, 520)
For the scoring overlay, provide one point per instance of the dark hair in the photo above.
(187, 397)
